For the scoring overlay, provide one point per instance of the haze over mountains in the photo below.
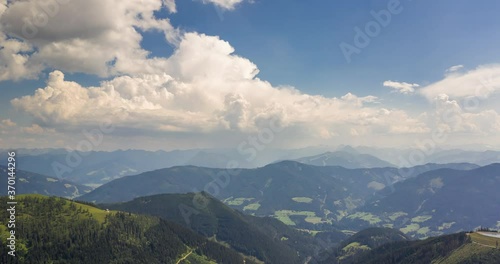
(99, 167)
(352, 194)
(28, 182)
(350, 160)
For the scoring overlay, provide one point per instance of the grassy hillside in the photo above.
(455, 248)
(485, 240)
(471, 253)
(56, 230)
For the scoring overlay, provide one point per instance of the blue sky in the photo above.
(297, 42)
(294, 44)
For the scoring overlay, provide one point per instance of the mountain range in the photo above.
(99, 167)
(437, 201)
(347, 158)
(266, 238)
(300, 195)
(284, 203)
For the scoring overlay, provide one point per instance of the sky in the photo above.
(167, 74)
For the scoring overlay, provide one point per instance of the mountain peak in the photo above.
(348, 149)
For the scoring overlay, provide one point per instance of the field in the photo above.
(410, 228)
(302, 199)
(464, 252)
(252, 207)
(421, 219)
(370, 218)
(237, 201)
(484, 240)
(284, 216)
(96, 213)
(396, 215)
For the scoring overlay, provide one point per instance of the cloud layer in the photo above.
(481, 82)
(94, 37)
(203, 90)
(206, 88)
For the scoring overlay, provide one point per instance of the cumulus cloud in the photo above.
(205, 87)
(450, 117)
(33, 129)
(170, 4)
(401, 87)
(7, 126)
(95, 37)
(10, 128)
(480, 82)
(14, 64)
(7, 123)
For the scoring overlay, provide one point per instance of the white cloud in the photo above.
(206, 88)
(7, 127)
(454, 68)
(401, 87)
(14, 64)
(480, 82)
(7, 123)
(33, 129)
(170, 4)
(450, 117)
(94, 36)
(225, 4)
(10, 128)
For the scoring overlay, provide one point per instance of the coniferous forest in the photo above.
(56, 230)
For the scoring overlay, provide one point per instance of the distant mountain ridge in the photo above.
(99, 167)
(348, 158)
(33, 183)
